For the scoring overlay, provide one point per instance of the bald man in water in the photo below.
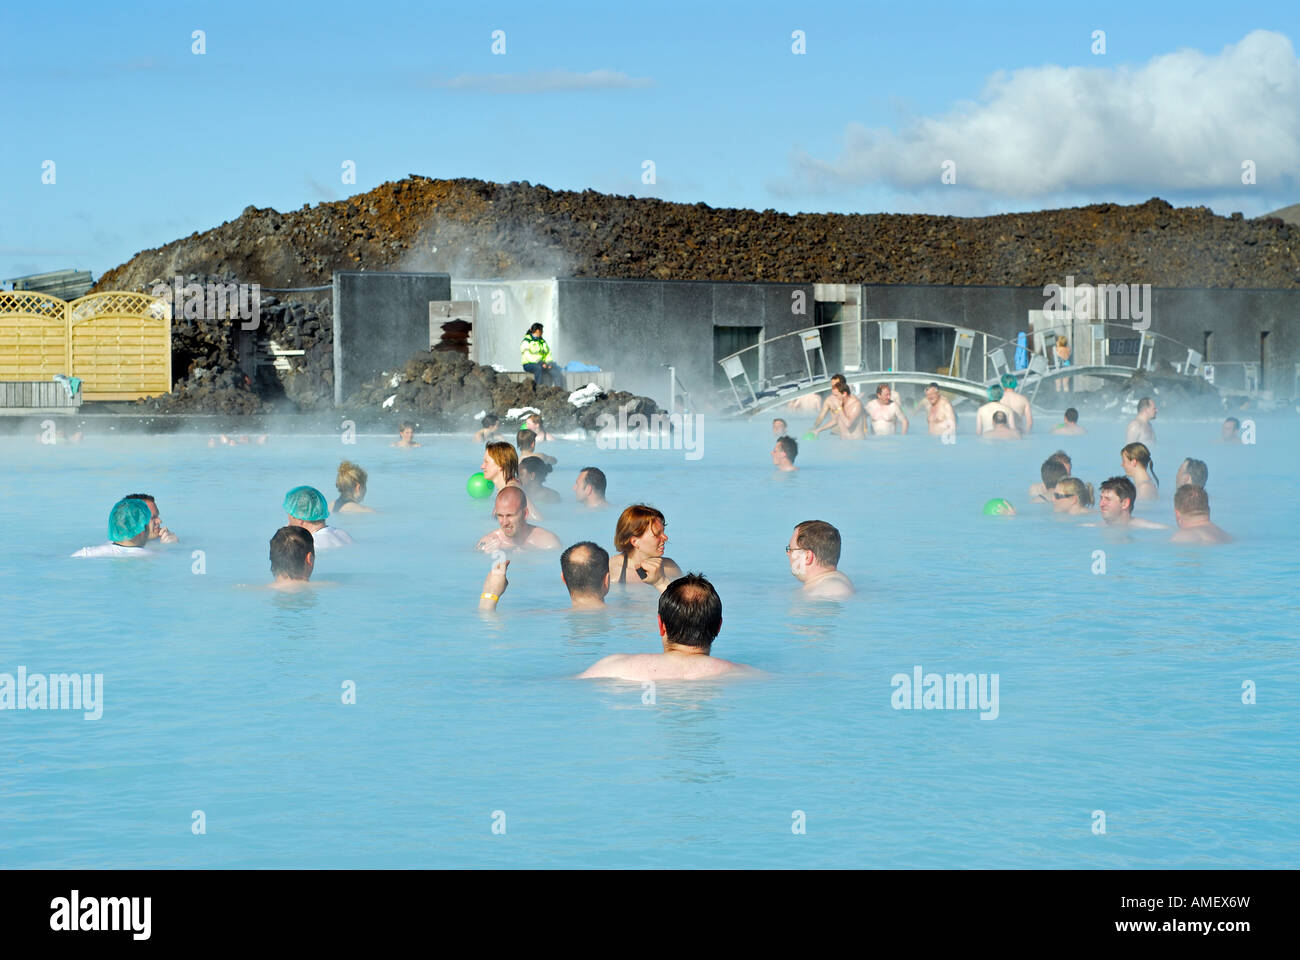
(514, 531)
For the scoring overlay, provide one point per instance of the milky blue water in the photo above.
(1118, 691)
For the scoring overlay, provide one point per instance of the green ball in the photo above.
(810, 435)
(479, 486)
(997, 507)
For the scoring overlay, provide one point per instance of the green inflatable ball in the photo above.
(810, 435)
(479, 486)
(998, 507)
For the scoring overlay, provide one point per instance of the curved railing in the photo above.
(976, 359)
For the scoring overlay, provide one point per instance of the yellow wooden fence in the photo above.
(119, 344)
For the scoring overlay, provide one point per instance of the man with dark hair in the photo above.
(831, 401)
(1232, 430)
(846, 413)
(1001, 429)
(293, 558)
(1139, 428)
(535, 357)
(156, 529)
(690, 617)
(884, 415)
(1191, 471)
(814, 555)
(1053, 471)
(1118, 495)
(1071, 425)
(589, 488)
(526, 441)
(1192, 513)
(783, 454)
(489, 428)
(779, 427)
(584, 568)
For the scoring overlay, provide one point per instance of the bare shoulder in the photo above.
(606, 666)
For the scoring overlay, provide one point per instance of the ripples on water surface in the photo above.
(1119, 692)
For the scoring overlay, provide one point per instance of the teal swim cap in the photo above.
(995, 393)
(128, 519)
(306, 503)
(997, 507)
(1009, 381)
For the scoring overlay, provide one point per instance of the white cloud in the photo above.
(1182, 121)
(548, 81)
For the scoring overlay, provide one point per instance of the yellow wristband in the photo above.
(488, 596)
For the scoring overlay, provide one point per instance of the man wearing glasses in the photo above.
(814, 552)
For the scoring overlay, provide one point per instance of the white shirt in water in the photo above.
(327, 537)
(111, 549)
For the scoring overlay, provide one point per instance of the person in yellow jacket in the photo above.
(536, 358)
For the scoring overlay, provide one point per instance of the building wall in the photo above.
(1236, 319)
(380, 320)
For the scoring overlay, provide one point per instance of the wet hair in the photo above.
(1197, 472)
(1144, 403)
(929, 385)
(632, 523)
(585, 566)
(491, 420)
(1073, 486)
(1123, 488)
(841, 387)
(837, 378)
(1191, 500)
(780, 421)
(290, 548)
(999, 417)
(406, 425)
(789, 447)
(504, 456)
(1140, 453)
(1236, 424)
(595, 479)
(346, 483)
(1053, 472)
(538, 467)
(1062, 458)
(691, 611)
(526, 441)
(1071, 415)
(821, 539)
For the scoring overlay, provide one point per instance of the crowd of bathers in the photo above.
(689, 608)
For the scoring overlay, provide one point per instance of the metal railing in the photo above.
(972, 350)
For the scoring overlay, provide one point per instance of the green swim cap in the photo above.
(997, 507)
(306, 503)
(995, 393)
(128, 519)
(1009, 381)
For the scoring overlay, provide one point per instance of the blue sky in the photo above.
(152, 142)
